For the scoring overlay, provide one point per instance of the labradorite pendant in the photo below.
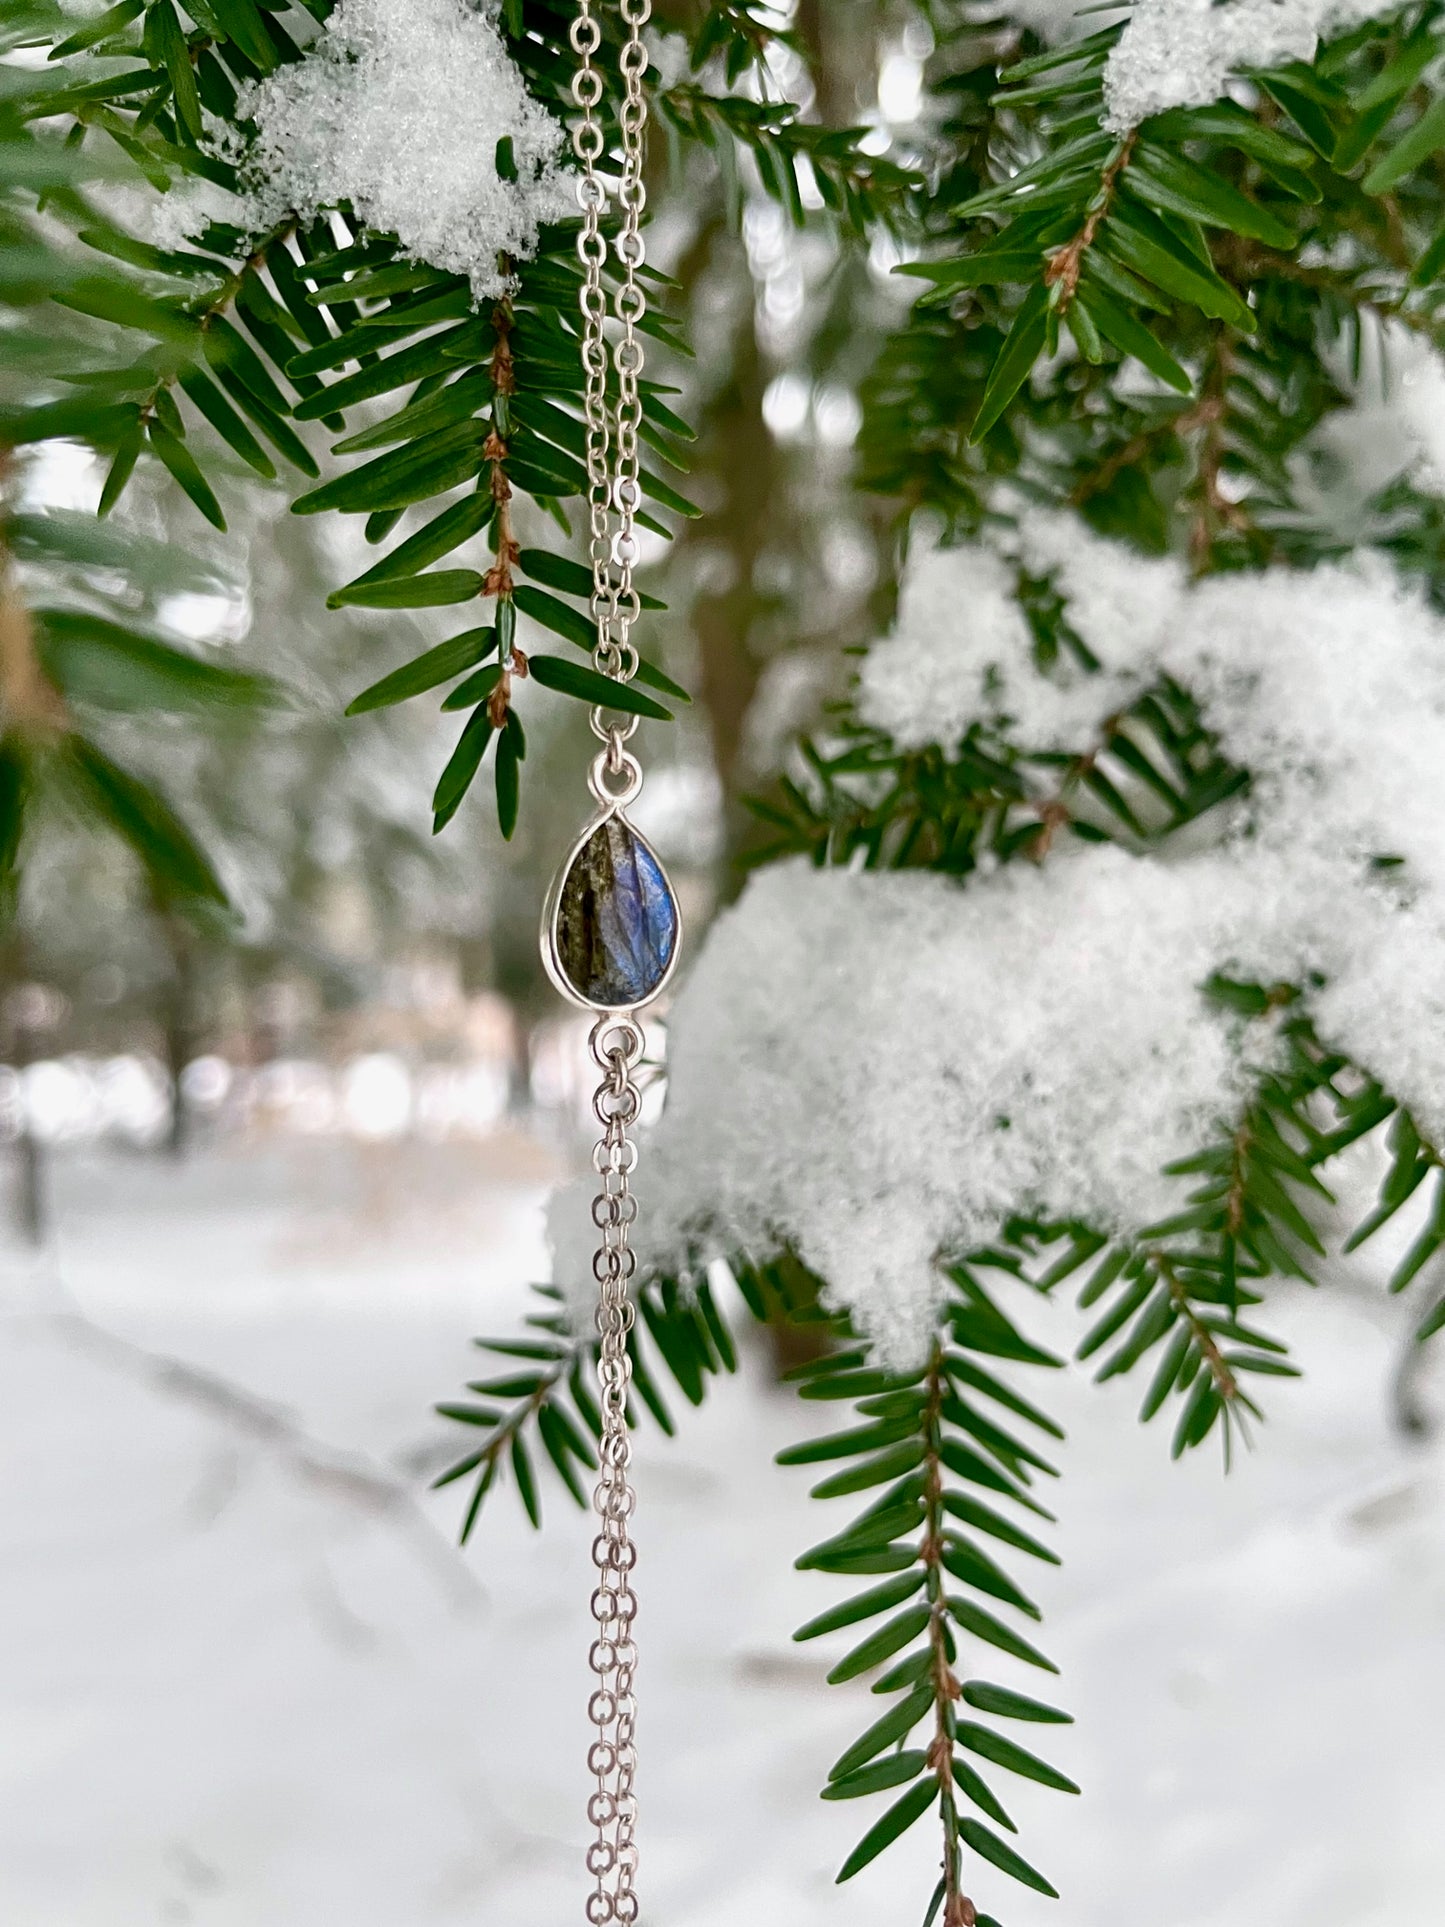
(610, 935)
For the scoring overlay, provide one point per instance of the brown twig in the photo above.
(499, 580)
(1209, 414)
(253, 263)
(1225, 1382)
(1248, 259)
(30, 704)
(1215, 508)
(1198, 415)
(1055, 812)
(1234, 1201)
(1066, 263)
(958, 1909)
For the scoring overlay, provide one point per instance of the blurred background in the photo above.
(263, 1180)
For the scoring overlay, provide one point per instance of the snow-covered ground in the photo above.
(247, 1681)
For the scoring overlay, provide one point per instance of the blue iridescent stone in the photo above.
(617, 920)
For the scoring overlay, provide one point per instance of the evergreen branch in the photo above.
(1215, 507)
(933, 1450)
(507, 1437)
(1064, 264)
(1415, 1161)
(1223, 1378)
(1055, 811)
(393, 323)
(50, 696)
(862, 189)
(550, 1389)
(958, 1909)
(740, 35)
(1151, 769)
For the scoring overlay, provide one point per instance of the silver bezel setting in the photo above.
(551, 960)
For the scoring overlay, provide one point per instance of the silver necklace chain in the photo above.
(612, 1758)
(617, 1041)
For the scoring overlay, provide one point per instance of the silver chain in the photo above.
(613, 484)
(617, 1044)
(613, 490)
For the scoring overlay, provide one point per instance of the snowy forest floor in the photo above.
(246, 1680)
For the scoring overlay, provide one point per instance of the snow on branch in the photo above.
(1182, 53)
(398, 109)
(935, 675)
(882, 1067)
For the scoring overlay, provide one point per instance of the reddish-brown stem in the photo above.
(1208, 409)
(1225, 1382)
(499, 580)
(30, 704)
(958, 1909)
(1056, 812)
(1066, 263)
(1215, 510)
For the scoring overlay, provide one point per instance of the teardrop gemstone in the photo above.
(617, 920)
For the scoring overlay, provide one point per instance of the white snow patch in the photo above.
(183, 214)
(1416, 400)
(236, 1691)
(1181, 53)
(878, 1068)
(399, 110)
(933, 675)
(881, 1067)
(961, 648)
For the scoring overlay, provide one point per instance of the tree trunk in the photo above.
(178, 1027)
(29, 1190)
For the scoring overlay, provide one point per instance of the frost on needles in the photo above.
(399, 110)
(880, 1068)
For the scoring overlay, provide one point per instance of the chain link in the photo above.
(630, 306)
(612, 434)
(588, 144)
(613, 493)
(617, 1044)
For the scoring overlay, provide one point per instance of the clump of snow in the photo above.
(1120, 603)
(879, 1068)
(1330, 686)
(1181, 53)
(961, 650)
(182, 216)
(933, 676)
(398, 110)
(1417, 401)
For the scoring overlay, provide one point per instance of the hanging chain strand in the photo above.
(587, 144)
(613, 488)
(613, 459)
(630, 305)
(617, 1044)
